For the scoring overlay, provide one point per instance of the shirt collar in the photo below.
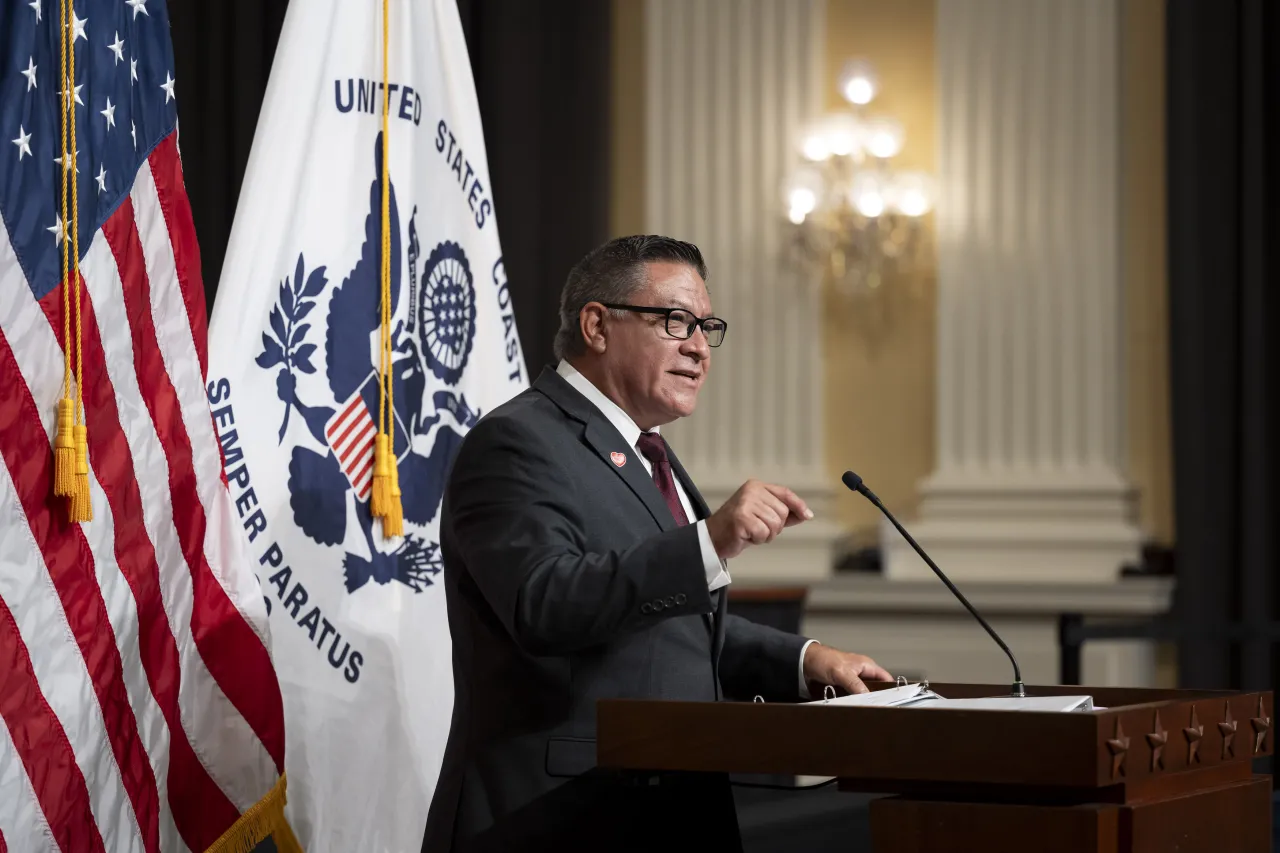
(612, 411)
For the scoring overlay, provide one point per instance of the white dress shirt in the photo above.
(716, 571)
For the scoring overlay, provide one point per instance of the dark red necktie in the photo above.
(651, 445)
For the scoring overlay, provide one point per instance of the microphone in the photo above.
(855, 484)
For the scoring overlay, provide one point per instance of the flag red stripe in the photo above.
(166, 169)
(358, 445)
(201, 811)
(368, 462)
(344, 418)
(364, 423)
(37, 734)
(234, 654)
(70, 564)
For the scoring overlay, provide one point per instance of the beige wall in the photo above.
(880, 353)
(626, 203)
(879, 376)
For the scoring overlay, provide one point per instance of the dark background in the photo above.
(542, 79)
(1224, 270)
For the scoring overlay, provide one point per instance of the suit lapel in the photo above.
(601, 436)
(606, 441)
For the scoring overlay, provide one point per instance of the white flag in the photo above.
(358, 622)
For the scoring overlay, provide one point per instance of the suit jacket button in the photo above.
(657, 605)
(671, 601)
(680, 598)
(646, 608)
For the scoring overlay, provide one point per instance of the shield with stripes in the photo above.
(350, 434)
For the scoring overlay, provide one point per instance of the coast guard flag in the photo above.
(139, 710)
(358, 621)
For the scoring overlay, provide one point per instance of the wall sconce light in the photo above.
(852, 218)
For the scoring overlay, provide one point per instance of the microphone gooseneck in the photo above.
(855, 484)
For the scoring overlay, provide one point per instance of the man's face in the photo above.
(658, 375)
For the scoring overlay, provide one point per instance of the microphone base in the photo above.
(1019, 690)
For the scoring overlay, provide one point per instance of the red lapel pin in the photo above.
(619, 459)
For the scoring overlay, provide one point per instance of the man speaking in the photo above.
(581, 564)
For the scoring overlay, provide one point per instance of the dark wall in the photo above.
(222, 55)
(542, 79)
(1224, 260)
(542, 76)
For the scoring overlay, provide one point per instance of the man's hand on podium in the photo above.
(843, 670)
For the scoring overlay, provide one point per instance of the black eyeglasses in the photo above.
(681, 323)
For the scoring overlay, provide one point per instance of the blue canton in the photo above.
(125, 101)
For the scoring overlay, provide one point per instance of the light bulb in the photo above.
(803, 200)
(883, 138)
(815, 148)
(843, 133)
(811, 140)
(913, 194)
(802, 191)
(858, 82)
(796, 216)
(870, 204)
(867, 195)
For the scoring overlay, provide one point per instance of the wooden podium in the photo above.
(1155, 771)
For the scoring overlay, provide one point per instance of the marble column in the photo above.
(1030, 473)
(728, 82)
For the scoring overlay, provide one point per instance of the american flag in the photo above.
(140, 706)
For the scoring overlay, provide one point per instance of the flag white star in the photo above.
(75, 93)
(77, 27)
(133, 131)
(35, 4)
(167, 85)
(23, 142)
(133, 70)
(117, 47)
(102, 179)
(56, 230)
(110, 113)
(30, 73)
(138, 6)
(58, 160)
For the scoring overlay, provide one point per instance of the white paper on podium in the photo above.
(891, 697)
(1013, 703)
(920, 696)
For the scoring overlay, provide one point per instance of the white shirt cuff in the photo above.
(717, 573)
(804, 688)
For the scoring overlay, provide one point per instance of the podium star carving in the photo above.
(1227, 728)
(1260, 725)
(1193, 733)
(1118, 746)
(1156, 740)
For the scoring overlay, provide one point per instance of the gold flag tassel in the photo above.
(385, 500)
(393, 521)
(81, 508)
(265, 819)
(64, 447)
(71, 443)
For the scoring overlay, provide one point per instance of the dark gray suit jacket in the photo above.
(568, 581)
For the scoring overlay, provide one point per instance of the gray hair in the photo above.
(612, 273)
